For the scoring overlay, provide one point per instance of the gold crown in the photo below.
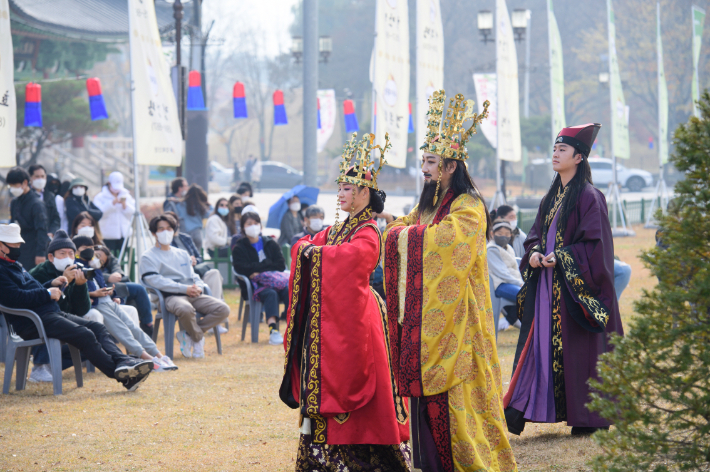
(450, 142)
(366, 175)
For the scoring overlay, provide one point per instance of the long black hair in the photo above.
(377, 197)
(575, 185)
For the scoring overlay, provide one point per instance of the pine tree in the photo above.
(655, 385)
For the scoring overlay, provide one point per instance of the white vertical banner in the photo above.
(430, 61)
(392, 78)
(620, 147)
(156, 129)
(8, 103)
(557, 74)
(662, 94)
(486, 90)
(698, 17)
(508, 103)
(327, 117)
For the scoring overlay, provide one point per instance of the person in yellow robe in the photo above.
(442, 334)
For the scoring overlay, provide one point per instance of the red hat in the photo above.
(581, 137)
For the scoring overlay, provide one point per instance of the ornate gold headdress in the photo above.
(366, 175)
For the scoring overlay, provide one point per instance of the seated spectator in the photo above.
(38, 177)
(235, 205)
(507, 213)
(502, 267)
(260, 259)
(169, 270)
(118, 207)
(116, 320)
(76, 201)
(178, 189)
(249, 207)
(18, 289)
(135, 294)
(85, 225)
(312, 223)
(622, 276)
(292, 221)
(28, 210)
(217, 232)
(245, 190)
(192, 211)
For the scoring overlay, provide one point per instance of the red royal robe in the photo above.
(337, 369)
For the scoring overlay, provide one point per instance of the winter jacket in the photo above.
(216, 233)
(189, 223)
(502, 266)
(112, 267)
(18, 289)
(518, 241)
(50, 204)
(76, 297)
(246, 260)
(75, 205)
(63, 223)
(116, 220)
(184, 241)
(29, 212)
(290, 225)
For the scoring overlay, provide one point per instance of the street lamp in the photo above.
(297, 48)
(485, 25)
(519, 21)
(325, 47)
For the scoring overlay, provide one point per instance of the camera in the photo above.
(88, 271)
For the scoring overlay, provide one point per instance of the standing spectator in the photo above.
(117, 206)
(85, 225)
(248, 168)
(292, 221)
(178, 187)
(217, 232)
(38, 177)
(256, 174)
(28, 210)
(192, 211)
(507, 213)
(61, 206)
(169, 270)
(76, 200)
(312, 223)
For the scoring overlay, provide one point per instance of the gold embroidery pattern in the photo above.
(314, 355)
(558, 371)
(294, 302)
(555, 206)
(337, 236)
(342, 418)
(592, 305)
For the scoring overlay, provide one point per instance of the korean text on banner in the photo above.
(327, 117)
(557, 74)
(619, 117)
(430, 61)
(486, 90)
(698, 23)
(392, 78)
(508, 103)
(8, 103)
(662, 94)
(157, 127)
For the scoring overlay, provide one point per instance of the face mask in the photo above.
(78, 191)
(95, 263)
(86, 231)
(294, 206)
(513, 223)
(253, 231)
(316, 224)
(16, 191)
(166, 237)
(61, 264)
(39, 184)
(502, 241)
(238, 210)
(223, 211)
(13, 254)
(87, 254)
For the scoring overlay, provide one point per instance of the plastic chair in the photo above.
(497, 304)
(169, 320)
(4, 333)
(255, 309)
(19, 350)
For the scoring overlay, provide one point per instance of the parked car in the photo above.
(633, 179)
(278, 175)
(221, 175)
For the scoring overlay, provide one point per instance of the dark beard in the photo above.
(426, 199)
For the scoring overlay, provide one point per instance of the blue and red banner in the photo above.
(318, 112)
(97, 105)
(410, 128)
(33, 105)
(240, 101)
(195, 99)
(351, 124)
(279, 109)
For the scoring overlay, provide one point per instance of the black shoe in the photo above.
(147, 329)
(133, 383)
(586, 430)
(131, 368)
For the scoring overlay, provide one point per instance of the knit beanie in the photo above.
(60, 241)
(80, 240)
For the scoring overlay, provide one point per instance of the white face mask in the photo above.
(513, 223)
(294, 206)
(78, 191)
(95, 263)
(61, 264)
(16, 191)
(86, 231)
(166, 237)
(39, 184)
(316, 224)
(253, 231)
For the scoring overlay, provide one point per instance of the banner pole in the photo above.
(136, 177)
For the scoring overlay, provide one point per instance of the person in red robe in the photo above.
(337, 370)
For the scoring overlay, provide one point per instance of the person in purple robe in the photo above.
(567, 305)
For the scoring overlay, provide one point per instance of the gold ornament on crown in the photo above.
(365, 173)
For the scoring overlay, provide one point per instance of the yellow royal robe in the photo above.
(442, 335)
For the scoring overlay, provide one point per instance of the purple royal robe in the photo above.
(567, 314)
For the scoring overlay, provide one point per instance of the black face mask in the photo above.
(13, 253)
(238, 210)
(501, 241)
(87, 254)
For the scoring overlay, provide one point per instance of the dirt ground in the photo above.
(222, 412)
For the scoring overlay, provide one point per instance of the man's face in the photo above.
(24, 186)
(61, 254)
(38, 174)
(430, 167)
(5, 247)
(81, 248)
(163, 226)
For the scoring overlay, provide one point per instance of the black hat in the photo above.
(80, 240)
(60, 241)
(581, 137)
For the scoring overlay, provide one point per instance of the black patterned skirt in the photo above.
(352, 457)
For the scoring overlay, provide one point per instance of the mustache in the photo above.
(427, 175)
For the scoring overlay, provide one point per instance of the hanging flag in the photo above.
(508, 102)
(557, 74)
(318, 102)
(351, 125)
(8, 102)
(698, 23)
(328, 115)
(662, 94)
(410, 128)
(486, 90)
(650, 142)
(97, 106)
(430, 62)
(279, 109)
(240, 101)
(195, 100)
(33, 105)
(619, 114)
